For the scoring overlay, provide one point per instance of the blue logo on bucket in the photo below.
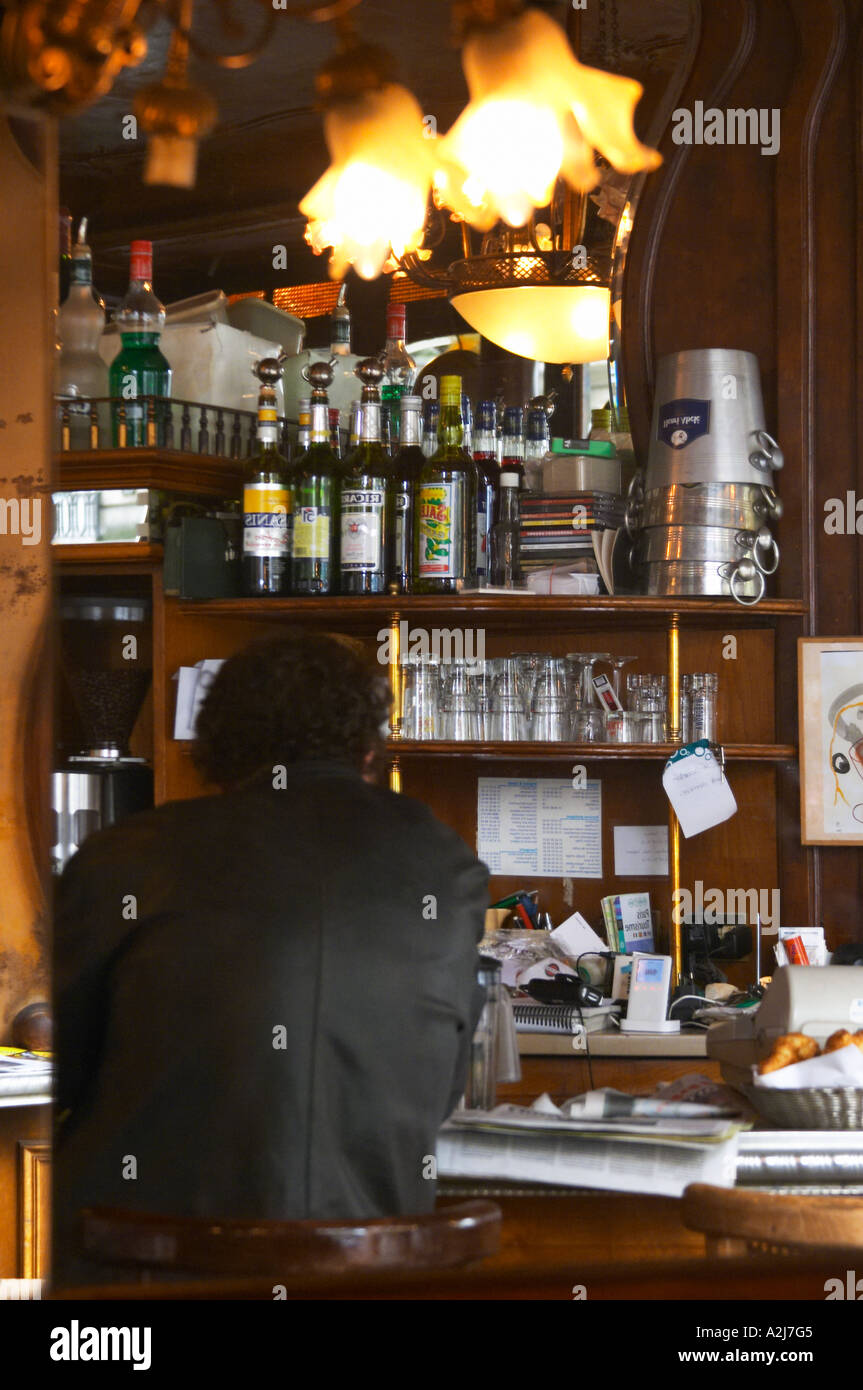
(682, 421)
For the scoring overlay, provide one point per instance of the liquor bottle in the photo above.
(266, 561)
(512, 448)
(316, 498)
(467, 421)
(344, 387)
(445, 506)
(399, 368)
(365, 482)
(334, 417)
(536, 446)
(80, 371)
(405, 472)
(65, 257)
(140, 369)
(505, 570)
(304, 424)
(431, 417)
(485, 458)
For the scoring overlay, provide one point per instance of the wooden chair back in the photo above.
(735, 1220)
(453, 1236)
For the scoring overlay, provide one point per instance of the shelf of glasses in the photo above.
(562, 752)
(503, 611)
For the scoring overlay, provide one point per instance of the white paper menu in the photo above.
(540, 828)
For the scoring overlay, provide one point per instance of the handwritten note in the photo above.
(640, 851)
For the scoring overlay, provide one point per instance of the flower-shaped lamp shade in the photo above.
(373, 196)
(548, 323)
(535, 112)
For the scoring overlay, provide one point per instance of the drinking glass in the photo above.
(507, 722)
(421, 699)
(588, 725)
(550, 719)
(625, 726)
(460, 721)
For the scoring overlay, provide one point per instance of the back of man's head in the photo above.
(280, 700)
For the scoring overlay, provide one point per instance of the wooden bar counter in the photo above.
(585, 1228)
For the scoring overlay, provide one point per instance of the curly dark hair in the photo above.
(279, 700)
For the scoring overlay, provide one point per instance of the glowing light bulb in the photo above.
(371, 202)
(535, 112)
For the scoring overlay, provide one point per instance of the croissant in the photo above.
(842, 1038)
(787, 1049)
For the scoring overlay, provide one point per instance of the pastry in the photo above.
(842, 1038)
(788, 1049)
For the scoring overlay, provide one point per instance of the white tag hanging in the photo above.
(697, 788)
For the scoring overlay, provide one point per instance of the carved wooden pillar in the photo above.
(28, 260)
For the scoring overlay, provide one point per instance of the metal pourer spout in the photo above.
(268, 370)
(371, 373)
(319, 375)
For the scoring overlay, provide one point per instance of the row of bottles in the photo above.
(371, 523)
(139, 369)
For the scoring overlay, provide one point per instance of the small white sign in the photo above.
(641, 851)
(698, 789)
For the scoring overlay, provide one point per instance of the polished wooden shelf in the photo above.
(585, 752)
(166, 470)
(502, 610)
(114, 557)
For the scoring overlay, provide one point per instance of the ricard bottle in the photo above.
(139, 369)
(266, 559)
(366, 480)
(316, 498)
(445, 506)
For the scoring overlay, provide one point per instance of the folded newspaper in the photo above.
(584, 1144)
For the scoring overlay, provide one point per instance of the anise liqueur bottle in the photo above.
(266, 558)
(365, 484)
(317, 499)
(445, 506)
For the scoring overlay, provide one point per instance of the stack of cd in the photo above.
(700, 516)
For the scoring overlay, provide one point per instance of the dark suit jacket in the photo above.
(264, 1003)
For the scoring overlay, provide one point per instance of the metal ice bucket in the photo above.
(705, 504)
(708, 544)
(740, 580)
(708, 421)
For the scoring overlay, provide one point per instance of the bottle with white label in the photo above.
(267, 498)
(445, 506)
(365, 482)
(316, 499)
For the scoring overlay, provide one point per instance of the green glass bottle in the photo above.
(316, 499)
(139, 369)
(366, 481)
(266, 562)
(445, 506)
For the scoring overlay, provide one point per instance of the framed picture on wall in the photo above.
(830, 713)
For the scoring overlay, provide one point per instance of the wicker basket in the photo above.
(816, 1107)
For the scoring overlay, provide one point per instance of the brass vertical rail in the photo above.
(397, 694)
(673, 824)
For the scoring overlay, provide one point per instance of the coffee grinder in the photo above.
(106, 660)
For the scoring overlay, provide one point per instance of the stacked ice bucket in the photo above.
(699, 517)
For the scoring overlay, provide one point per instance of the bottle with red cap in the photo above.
(399, 368)
(140, 370)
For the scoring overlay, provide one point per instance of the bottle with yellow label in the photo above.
(317, 499)
(444, 506)
(266, 562)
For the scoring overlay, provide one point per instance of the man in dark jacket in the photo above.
(265, 997)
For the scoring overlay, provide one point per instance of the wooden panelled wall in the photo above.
(732, 248)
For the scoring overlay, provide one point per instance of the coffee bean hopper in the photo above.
(106, 661)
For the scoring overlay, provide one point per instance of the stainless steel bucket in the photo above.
(706, 504)
(708, 421)
(740, 580)
(709, 545)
